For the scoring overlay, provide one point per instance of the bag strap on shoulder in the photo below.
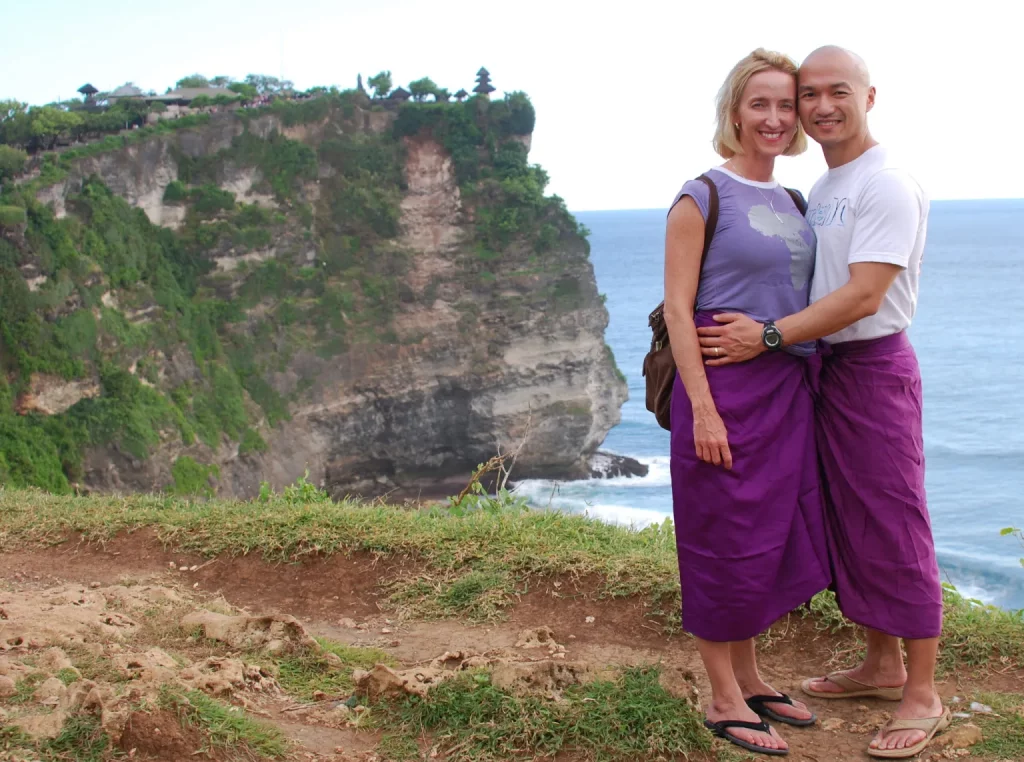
(710, 225)
(798, 199)
(656, 318)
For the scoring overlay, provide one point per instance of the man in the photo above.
(870, 219)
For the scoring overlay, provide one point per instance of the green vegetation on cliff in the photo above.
(182, 348)
(506, 190)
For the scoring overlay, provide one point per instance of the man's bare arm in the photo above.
(860, 297)
(738, 338)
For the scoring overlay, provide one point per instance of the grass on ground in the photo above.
(632, 717)
(1003, 731)
(469, 564)
(304, 672)
(81, 740)
(225, 727)
(974, 634)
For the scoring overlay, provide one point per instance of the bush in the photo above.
(192, 478)
(12, 216)
(12, 162)
(28, 459)
(175, 193)
(251, 442)
(209, 199)
(515, 115)
(283, 162)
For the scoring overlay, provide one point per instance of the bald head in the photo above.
(834, 96)
(836, 58)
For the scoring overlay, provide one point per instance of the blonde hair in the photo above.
(726, 140)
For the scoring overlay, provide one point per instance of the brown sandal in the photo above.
(851, 689)
(929, 725)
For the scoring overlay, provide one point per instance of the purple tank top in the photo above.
(761, 261)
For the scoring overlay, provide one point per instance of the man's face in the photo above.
(833, 98)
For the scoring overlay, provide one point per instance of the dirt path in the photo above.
(340, 598)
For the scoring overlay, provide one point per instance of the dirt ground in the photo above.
(89, 599)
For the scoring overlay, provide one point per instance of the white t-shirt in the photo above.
(869, 210)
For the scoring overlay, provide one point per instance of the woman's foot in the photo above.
(797, 711)
(723, 710)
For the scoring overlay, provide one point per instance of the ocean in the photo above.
(969, 337)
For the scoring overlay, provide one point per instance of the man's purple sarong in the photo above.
(872, 452)
(751, 541)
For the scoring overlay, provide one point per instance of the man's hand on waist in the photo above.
(736, 339)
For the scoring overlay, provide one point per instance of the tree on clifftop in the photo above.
(14, 123)
(421, 88)
(247, 91)
(12, 162)
(381, 84)
(266, 85)
(49, 123)
(192, 80)
(220, 81)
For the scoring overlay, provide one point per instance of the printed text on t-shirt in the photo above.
(826, 215)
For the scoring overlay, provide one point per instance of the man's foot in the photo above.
(861, 674)
(909, 709)
(797, 711)
(721, 710)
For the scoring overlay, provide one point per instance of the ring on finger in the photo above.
(718, 351)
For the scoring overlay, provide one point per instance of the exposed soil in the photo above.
(158, 737)
(342, 598)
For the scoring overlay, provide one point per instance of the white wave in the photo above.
(582, 497)
(658, 475)
(624, 515)
(985, 595)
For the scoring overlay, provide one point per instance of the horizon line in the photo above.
(663, 208)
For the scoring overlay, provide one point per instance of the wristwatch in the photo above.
(771, 336)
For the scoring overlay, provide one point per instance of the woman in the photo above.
(748, 511)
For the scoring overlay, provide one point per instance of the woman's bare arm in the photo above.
(684, 244)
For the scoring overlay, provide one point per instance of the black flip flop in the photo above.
(719, 728)
(757, 704)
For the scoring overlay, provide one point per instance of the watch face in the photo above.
(772, 338)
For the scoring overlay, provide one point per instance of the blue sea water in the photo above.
(969, 337)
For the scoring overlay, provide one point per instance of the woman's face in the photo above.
(766, 114)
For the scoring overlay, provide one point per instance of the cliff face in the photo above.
(389, 331)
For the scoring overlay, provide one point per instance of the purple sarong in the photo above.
(751, 541)
(872, 454)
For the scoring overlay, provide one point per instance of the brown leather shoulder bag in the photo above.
(659, 366)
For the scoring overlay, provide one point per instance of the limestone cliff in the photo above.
(392, 306)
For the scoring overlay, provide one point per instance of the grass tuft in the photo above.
(630, 718)
(67, 676)
(225, 727)
(303, 672)
(82, 739)
(1003, 732)
(26, 687)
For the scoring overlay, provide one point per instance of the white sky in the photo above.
(624, 96)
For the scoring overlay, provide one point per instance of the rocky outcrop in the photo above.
(488, 355)
(607, 465)
(141, 172)
(50, 395)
